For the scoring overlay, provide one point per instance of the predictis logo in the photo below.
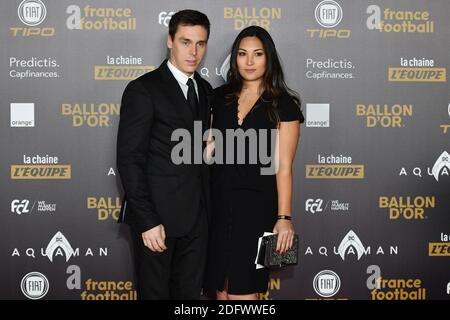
(34, 68)
(329, 69)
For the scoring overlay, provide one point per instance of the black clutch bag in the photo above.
(270, 258)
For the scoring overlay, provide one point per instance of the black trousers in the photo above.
(176, 273)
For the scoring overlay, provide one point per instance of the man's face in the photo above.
(188, 47)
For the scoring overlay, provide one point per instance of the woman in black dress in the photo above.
(245, 202)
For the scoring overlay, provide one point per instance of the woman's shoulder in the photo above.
(289, 108)
(220, 92)
(288, 99)
(219, 95)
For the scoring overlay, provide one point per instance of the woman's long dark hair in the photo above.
(273, 84)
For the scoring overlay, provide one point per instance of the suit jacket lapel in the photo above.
(174, 93)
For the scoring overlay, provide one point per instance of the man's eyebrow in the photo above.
(189, 40)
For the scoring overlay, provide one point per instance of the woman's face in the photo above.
(251, 59)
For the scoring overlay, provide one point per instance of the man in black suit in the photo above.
(167, 204)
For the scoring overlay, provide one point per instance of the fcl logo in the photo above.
(164, 17)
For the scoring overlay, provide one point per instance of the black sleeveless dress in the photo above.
(244, 202)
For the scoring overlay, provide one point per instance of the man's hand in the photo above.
(154, 238)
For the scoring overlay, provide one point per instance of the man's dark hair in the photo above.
(188, 18)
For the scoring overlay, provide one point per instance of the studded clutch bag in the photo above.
(270, 258)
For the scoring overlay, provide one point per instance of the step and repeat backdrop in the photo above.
(371, 177)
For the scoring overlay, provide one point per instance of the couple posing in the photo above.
(197, 226)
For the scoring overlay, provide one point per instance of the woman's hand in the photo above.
(285, 231)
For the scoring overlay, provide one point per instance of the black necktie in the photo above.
(192, 97)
